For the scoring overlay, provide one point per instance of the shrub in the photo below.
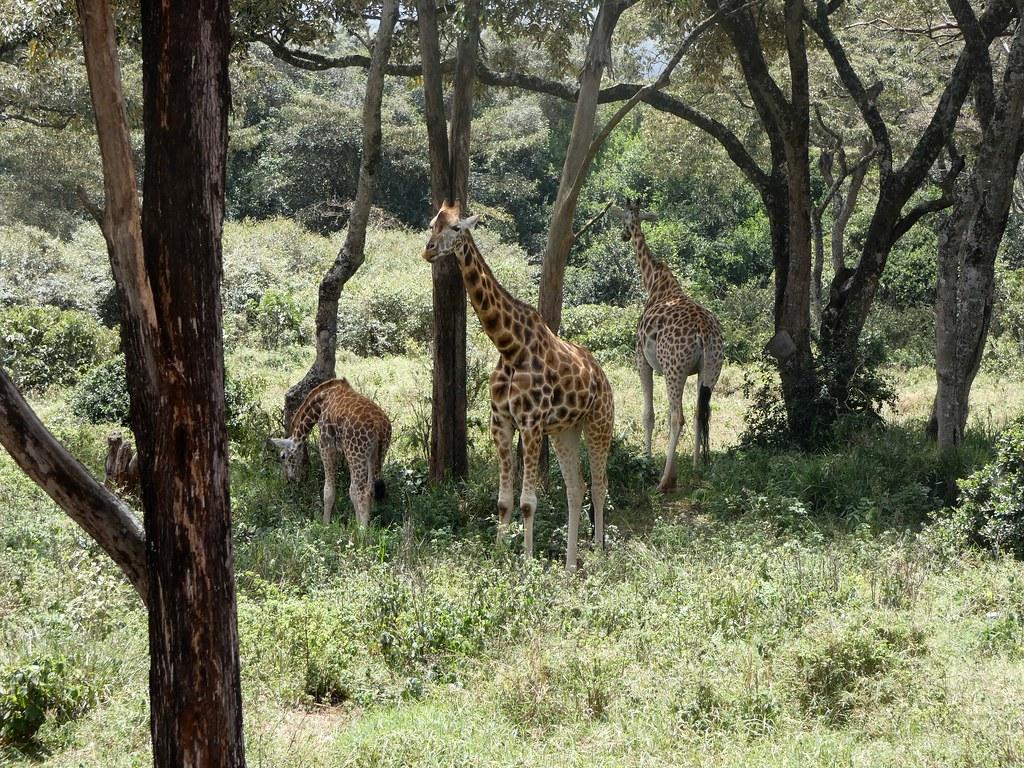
(278, 319)
(992, 499)
(46, 346)
(745, 314)
(42, 270)
(832, 670)
(101, 397)
(609, 332)
(390, 321)
(31, 692)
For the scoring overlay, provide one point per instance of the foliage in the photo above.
(31, 692)
(868, 393)
(834, 669)
(992, 499)
(278, 319)
(46, 346)
(878, 476)
(101, 396)
(607, 331)
(40, 269)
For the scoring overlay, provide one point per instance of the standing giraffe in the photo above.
(676, 337)
(541, 385)
(350, 424)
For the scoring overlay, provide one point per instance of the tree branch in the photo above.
(620, 92)
(102, 515)
(576, 235)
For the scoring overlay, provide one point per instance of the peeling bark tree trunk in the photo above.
(560, 233)
(969, 240)
(449, 182)
(350, 257)
(178, 404)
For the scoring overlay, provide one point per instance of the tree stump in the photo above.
(121, 470)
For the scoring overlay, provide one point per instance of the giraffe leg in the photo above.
(567, 449)
(360, 484)
(329, 455)
(502, 431)
(675, 426)
(599, 442)
(532, 440)
(647, 389)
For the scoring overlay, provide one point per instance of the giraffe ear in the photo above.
(648, 217)
(469, 222)
(617, 213)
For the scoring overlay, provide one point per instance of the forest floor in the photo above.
(780, 609)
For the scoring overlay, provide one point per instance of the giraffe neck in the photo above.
(655, 279)
(308, 414)
(506, 321)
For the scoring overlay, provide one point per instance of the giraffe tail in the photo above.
(704, 419)
(380, 491)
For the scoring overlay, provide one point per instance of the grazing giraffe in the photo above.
(350, 424)
(677, 337)
(541, 385)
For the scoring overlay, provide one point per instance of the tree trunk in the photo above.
(178, 408)
(852, 292)
(560, 233)
(350, 257)
(968, 244)
(449, 182)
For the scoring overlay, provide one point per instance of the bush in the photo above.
(46, 346)
(31, 692)
(278, 319)
(391, 321)
(609, 332)
(101, 397)
(992, 499)
(42, 270)
(832, 670)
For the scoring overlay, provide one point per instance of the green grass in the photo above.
(781, 609)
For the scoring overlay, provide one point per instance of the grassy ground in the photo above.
(780, 610)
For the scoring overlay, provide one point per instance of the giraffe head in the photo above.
(291, 454)
(445, 229)
(631, 216)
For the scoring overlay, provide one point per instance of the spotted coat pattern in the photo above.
(541, 386)
(676, 337)
(351, 425)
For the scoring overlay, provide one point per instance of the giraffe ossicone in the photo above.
(541, 386)
(351, 425)
(677, 338)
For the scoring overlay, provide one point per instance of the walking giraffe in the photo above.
(541, 385)
(350, 424)
(678, 338)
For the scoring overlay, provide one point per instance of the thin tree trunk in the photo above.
(350, 257)
(560, 233)
(449, 182)
(968, 245)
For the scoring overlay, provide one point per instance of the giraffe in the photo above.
(541, 385)
(351, 424)
(677, 337)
